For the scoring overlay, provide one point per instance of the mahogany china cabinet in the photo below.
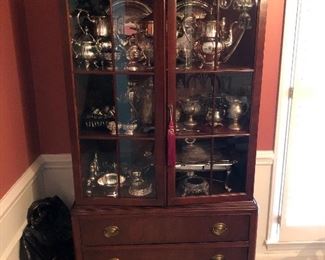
(163, 100)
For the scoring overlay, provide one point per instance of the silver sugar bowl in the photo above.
(216, 117)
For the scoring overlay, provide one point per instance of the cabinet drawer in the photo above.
(124, 230)
(163, 252)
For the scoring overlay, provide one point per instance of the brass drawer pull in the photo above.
(111, 231)
(218, 257)
(219, 228)
(114, 258)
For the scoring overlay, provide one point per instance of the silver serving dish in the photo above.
(110, 180)
(195, 186)
(222, 165)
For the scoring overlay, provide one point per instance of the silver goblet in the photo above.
(191, 108)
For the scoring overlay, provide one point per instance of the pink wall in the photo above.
(47, 62)
(19, 145)
(42, 18)
(272, 55)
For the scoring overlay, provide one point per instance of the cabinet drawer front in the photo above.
(151, 230)
(161, 252)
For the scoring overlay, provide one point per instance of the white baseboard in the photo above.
(13, 209)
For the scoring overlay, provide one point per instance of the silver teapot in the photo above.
(207, 48)
(86, 49)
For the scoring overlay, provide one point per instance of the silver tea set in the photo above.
(99, 39)
(232, 110)
(93, 48)
(204, 38)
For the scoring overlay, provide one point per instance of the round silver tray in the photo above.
(132, 10)
(197, 7)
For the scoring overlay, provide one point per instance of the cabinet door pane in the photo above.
(137, 168)
(213, 33)
(133, 26)
(99, 168)
(96, 104)
(135, 105)
(91, 35)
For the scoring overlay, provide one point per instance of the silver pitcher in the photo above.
(101, 23)
(237, 108)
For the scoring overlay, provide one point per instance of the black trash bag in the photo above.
(48, 234)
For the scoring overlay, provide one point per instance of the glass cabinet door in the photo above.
(210, 86)
(119, 93)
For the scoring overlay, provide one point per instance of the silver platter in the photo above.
(131, 10)
(197, 7)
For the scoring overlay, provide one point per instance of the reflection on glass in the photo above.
(133, 26)
(96, 104)
(135, 104)
(137, 165)
(122, 33)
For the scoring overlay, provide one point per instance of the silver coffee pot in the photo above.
(214, 41)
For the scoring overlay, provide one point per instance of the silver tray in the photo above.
(197, 7)
(222, 165)
(132, 10)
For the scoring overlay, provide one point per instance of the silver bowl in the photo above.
(110, 180)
